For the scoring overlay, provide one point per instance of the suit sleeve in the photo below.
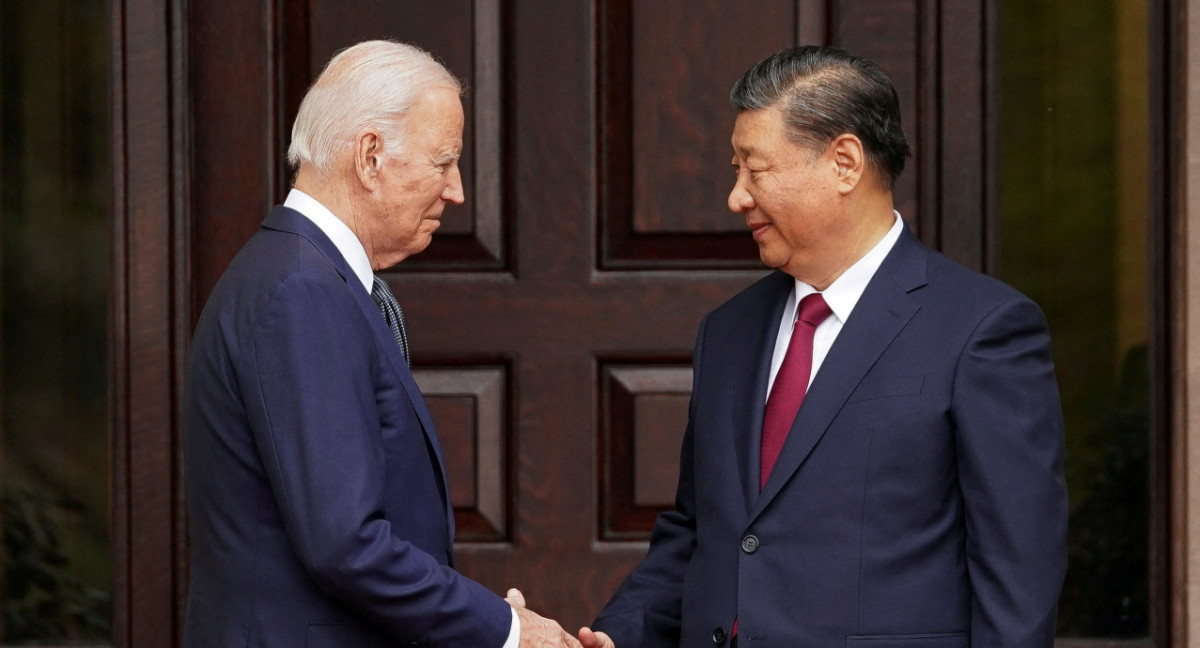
(1010, 450)
(311, 381)
(645, 611)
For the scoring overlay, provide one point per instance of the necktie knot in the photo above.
(813, 310)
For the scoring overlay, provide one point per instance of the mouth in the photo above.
(759, 230)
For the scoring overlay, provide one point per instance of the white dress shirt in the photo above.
(841, 295)
(355, 254)
(344, 239)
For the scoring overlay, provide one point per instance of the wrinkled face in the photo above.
(415, 183)
(787, 194)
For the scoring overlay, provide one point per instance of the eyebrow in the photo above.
(744, 151)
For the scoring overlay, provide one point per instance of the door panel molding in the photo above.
(150, 319)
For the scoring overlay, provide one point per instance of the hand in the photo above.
(538, 631)
(590, 639)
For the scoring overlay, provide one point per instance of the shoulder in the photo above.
(953, 287)
(939, 283)
(272, 257)
(275, 274)
(958, 306)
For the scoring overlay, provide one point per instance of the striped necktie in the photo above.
(392, 314)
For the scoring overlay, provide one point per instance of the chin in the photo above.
(419, 247)
(774, 261)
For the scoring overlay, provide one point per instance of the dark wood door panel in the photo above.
(935, 55)
(232, 174)
(466, 35)
(889, 31)
(663, 127)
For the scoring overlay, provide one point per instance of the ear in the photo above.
(850, 161)
(368, 159)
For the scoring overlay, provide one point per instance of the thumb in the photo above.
(515, 598)
(590, 639)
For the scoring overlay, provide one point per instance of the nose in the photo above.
(740, 200)
(453, 191)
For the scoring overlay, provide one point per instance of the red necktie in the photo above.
(791, 382)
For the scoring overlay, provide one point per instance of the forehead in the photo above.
(437, 114)
(755, 131)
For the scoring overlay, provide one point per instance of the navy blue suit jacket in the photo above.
(918, 501)
(317, 499)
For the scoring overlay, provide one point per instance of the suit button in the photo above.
(750, 544)
(719, 636)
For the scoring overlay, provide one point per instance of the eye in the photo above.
(445, 163)
(737, 170)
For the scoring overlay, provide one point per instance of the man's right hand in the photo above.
(536, 630)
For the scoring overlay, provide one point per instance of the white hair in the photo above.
(370, 85)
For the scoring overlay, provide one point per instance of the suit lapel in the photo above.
(884, 309)
(751, 394)
(400, 365)
(289, 220)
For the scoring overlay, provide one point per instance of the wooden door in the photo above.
(553, 316)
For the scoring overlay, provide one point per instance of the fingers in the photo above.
(537, 630)
(591, 639)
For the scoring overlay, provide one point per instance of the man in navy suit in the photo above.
(317, 496)
(916, 495)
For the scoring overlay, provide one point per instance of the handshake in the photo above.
(538, 631)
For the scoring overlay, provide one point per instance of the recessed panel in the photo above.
(465, 36)
(457, 426)
(643, 416)
(662, 418)
(665, 122)
(680, 106)
(470, 410)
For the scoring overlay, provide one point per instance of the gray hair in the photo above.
(824, 92)
(370, 85)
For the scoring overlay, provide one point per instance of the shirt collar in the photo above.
(342, 236)
(843, 294)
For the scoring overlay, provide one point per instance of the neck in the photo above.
(871, 220)
(326, 190)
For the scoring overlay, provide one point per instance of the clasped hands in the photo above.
(540, 632)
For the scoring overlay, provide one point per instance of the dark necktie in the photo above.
(392, 314)
(791, 382)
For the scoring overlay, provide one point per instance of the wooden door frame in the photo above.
(1181, 249)
(150, 320)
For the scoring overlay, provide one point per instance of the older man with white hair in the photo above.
(317, 495)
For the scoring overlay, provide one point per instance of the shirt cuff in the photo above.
(514, 631)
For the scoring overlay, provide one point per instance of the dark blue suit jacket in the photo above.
(317, 498)
(919, 499)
